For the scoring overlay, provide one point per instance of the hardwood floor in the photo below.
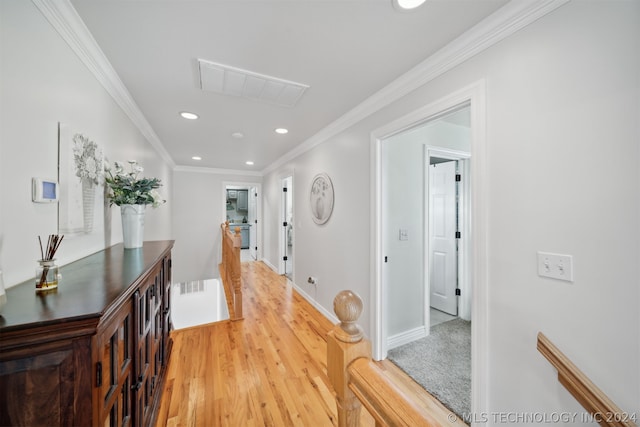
(266, 370)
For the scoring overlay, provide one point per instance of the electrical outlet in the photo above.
(312, 280)
(555, 266)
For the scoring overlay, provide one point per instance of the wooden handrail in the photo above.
(230, 269)
(594, 400)
(383, 399)
(358, 381)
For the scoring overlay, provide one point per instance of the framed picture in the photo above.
(321, 198)
(80, 163)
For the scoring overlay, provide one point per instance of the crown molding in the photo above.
(215, 171)
(506, 21)
(65, 20)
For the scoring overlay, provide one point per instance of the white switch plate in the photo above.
(403, 234)
(555, 266)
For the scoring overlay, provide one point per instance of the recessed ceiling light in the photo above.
(249, 162)
(189, 116)
(237, 135)
(282, 131)
(407, 4)
(197, 158)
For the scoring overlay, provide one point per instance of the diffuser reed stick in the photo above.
(52, 247)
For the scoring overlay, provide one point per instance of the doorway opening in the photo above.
(396, 319)
(423, 222)
(242, 209)
(287, 237)
(448, 235)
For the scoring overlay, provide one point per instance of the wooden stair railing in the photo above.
(603, 410)
(230, 269)
(357, 380)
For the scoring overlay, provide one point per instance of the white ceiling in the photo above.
(345, 50)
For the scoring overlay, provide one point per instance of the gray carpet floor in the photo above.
(441, 364)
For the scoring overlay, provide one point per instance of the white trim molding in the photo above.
(407, 337)
(65, 20)
(506, 21)
(331, 316)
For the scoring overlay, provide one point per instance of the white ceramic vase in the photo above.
(132, 225)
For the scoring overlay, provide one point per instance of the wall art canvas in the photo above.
(80, 178)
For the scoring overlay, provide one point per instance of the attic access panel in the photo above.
(227, 80)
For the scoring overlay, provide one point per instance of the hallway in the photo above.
(266, 370)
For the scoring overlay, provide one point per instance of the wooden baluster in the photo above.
(345, 344)
(230, 269)
(236, 274)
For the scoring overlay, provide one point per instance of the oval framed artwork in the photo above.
(321, 198)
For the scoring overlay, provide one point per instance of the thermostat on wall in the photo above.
(44, 190)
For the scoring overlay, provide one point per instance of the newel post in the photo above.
(345, 344)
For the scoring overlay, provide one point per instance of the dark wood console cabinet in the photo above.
(94, 351)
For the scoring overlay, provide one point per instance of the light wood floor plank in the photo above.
(269, 369)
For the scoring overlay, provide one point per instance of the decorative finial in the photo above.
(348, 307)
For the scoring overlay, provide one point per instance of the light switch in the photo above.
(404, 234)
(555, 266)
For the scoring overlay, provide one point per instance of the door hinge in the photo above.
(256, 221)
(98, 374)
(386, 259)
(458, 235)
(256, 248)
(284, 224)
(284, 189)
(284, 258)
(458, 292)
(458, 177)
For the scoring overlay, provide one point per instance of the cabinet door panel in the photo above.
(114, 369)
(148, 303)
(34, 390)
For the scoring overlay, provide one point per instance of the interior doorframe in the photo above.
(247, 185)
(464, 256)
(475, 95)
(282, 250)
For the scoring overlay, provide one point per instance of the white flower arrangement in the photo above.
(128, 189)
(88, 158)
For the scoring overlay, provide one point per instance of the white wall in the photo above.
(337, 252)
(562, 176)
(198, 211)
(42, 83)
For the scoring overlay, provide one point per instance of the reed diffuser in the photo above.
(47, 274)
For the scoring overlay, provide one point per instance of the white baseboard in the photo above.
(268, 264)
(406, 337)
(331, 316)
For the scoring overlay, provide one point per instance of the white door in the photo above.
(442, 229)
(253, 221)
